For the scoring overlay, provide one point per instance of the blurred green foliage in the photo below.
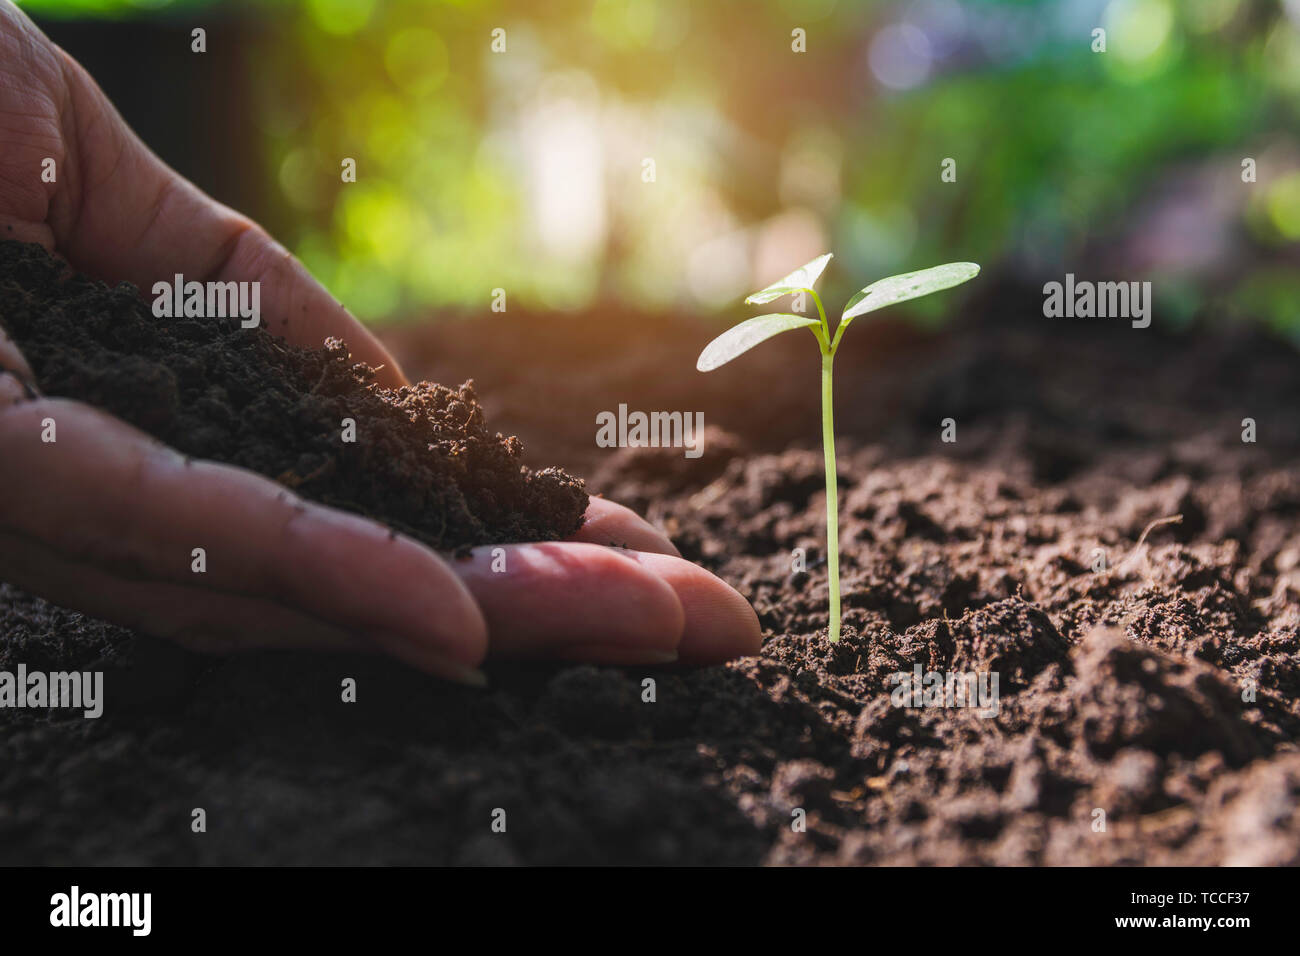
(526, 168)
(69, 9)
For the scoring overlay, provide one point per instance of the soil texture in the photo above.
(1148, 669)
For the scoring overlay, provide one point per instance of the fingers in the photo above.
(581, 601)
(720, 624)
(575, 601)
(30, 90)
(609, 523)
(15, 374)
(205, 621)
(220, 558)
(297, 307)
(109, 497)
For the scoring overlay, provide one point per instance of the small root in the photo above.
(1142, 538)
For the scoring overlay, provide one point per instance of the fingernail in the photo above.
(460, 674)
(617, 655)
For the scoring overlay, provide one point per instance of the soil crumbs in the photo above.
(1156, 682)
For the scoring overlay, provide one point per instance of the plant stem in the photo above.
(817, 300)
(832, 495)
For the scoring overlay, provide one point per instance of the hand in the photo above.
(105, 518)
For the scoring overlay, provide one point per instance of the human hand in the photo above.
(105, 518)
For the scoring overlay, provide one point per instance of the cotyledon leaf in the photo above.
(801, 278)
(743, 337)
(909, 285)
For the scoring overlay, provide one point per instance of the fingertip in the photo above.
(720, 624)
(609, 523)
(547, 598)
(429, 658)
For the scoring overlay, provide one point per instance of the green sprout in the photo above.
(743, 337)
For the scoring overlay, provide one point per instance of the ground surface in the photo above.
(1121, 689)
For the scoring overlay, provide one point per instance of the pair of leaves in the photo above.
(743, 337)
(900, 288)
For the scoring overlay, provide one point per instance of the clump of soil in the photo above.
(423, 460)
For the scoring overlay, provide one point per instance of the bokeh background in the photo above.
(525, 169)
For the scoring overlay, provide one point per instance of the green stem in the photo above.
(832, 495)
(817, 300)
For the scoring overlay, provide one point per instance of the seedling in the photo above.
(743, 337)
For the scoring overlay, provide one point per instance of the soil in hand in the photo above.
(420, 459)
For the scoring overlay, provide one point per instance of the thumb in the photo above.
(119, 212)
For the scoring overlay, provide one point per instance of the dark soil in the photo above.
(423, 459)
(1160, 688)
